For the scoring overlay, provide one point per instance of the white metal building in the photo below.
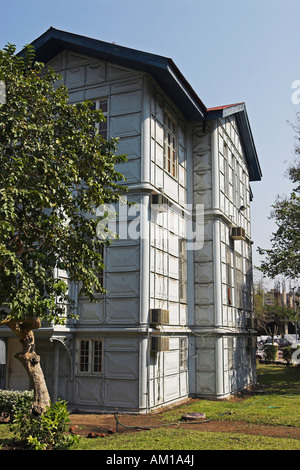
(177, 318)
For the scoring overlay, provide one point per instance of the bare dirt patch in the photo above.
(93, 425)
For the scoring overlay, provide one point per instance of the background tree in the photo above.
(55, 170)
(272, 319)
(284, 256)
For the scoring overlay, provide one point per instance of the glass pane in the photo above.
(97, 356)
(84, 356)
(103, 106)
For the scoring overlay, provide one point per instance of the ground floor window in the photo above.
(89, 354)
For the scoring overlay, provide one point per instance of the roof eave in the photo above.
(162, 69)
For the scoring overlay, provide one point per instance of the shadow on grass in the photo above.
(279, 378)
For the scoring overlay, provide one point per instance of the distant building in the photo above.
(269, 298)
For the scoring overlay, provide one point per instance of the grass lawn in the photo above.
(182, 440)
(278, 406)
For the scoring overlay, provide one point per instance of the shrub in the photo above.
(270, 351)
(14, 401)
(287, 354)
(46, 432)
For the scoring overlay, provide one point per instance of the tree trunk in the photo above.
(31, 362)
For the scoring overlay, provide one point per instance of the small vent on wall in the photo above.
(159, 316)
(159, 344)
(238, 233)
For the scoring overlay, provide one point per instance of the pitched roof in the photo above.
(162, 69)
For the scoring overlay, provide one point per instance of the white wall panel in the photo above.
(122, 258)
(122, 284)
(173, 267)
(76, 96)
(204, 315)
(174, 312)
(122, 311)
(120, 393)
(159, 155)
(88, 391)
(131, 170)
(95, 73)
(127, 86)
(131, 147)
(174, 290)
(125, 126)
(92, 313)
(121, 364)
(125, 103)
(171, 388)
(161, 287)
(121, 343)
(204, 294)
(206, 383)
(171, 187)
(171, 362)
(75, 77)
(97, 92)
(204, 272)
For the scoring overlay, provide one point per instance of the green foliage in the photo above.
(14, 401)
(46, 432)
(287, 353)
(270, 351)
(284, 256)
(55, 171)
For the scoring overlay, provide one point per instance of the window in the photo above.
(102, 127)
(183, 353)
(170, 146)
(239, 286)
(90, 356)
(182, 270)
(229, 268)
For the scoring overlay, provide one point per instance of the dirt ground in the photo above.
(93, 425)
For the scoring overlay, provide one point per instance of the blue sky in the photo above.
(228, 50)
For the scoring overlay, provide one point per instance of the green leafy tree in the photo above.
(284, 255)
(55, 171)
(272, 318)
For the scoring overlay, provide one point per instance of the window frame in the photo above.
(86, 358)
(170, 145)
(183, 354)
(97, 102)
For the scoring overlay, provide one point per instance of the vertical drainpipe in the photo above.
(217, 260)
(145, 248)
(55, 371)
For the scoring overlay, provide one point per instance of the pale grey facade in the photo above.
(193, 157)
